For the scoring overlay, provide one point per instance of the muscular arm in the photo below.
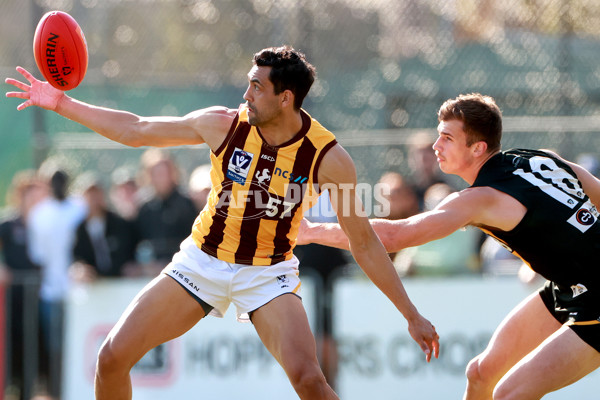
(395, 235)
(203, 126)
(473, 206)
(337, 174)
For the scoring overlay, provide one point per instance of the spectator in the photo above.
(425, 170)
(105, 242)
(51, 234)
(199, 186)
(166, 217)
(402, 197)
(22, 275)
(123, 193)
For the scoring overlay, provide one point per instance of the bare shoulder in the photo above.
(212, 123)
(337, 167)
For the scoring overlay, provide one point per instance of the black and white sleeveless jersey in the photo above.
(559, 236)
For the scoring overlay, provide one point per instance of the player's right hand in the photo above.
(423, 332)
(37, 93)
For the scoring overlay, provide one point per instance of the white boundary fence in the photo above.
(223, 359)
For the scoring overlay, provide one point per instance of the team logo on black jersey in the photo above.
(584, 217)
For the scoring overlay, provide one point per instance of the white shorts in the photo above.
(219, 283)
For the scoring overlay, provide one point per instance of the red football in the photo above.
(60, 50)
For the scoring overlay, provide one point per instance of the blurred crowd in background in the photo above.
(65, 228)
(62, 228)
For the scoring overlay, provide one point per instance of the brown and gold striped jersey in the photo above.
(260, 192)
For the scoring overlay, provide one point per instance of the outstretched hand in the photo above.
(37, 93)
(423, 332)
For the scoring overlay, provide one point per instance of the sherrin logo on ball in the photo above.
(60, 50)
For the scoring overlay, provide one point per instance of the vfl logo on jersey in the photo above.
(584, 217)
(239, 166)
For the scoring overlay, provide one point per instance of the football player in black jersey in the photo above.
(543, 208)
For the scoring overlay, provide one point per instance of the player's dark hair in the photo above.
(480, 115)
(289, 71)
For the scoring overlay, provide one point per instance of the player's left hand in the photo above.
(423, 332)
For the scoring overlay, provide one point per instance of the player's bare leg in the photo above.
(147, 322)
(283, 328)
(561, 360)
(523, 329)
